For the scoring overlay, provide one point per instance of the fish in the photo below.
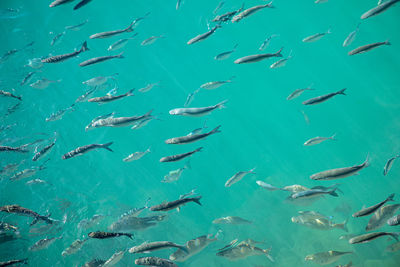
(174, 175)
(320, 1)
(237, 177)
(389, 164)
(130, 222)
(120, 43)
(16, 209)
(243, 250)
(86, 95)
(58, 115)
(81, 4)
(318, 140)
(136, 156)
(192, 138)
(250, 11)
(203, 36)
(153, 246)
(97, 81)
(105, 235)
(215, 84)
(393, 247)
(110, 121)
(198, 130)
(59, 2)
(143, 122)
(99, 59)
(45, 151)
(114, 259)
(220, 5)
(155, 262)
(197, 112)
(340, 172)
(20, 149)
(151, 40)
(312, 193)
(76, 27)
(280, 63)
(379, 9)
(365, 238)
(231, 220)
(381, 216)
(37, 181)
(88, 223)
(190, 97)
(315, 37)
(393, 221)
(328, 257)
(178, 157)
(258, 57)
(266, 42)
(227, 16)
(84, 149)
(350, 38)
(296, 93)
(295, 188)
(57, 38)
(318, 221)
(35, 63)
(178, 4)
(176, 204)
(193, 246)
(148, 87)
(8, 94)
(108, 34)
(368, 47)
(110, 98)
(268, 186)
(94, 263)
(43, 83)
(13, 262)
(372, 209)
(225, 55)
(61, 58)
(7, 227)
(27, 78)
(74, 247)
(323, 98)
(43, 243)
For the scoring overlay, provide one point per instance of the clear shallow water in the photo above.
(260, 128)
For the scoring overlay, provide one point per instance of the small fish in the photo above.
(27, 78)
(143, 122)
(281, 63)
(136, 156)
(179, 157)
(88, 223)
(76, 27)
(59, 114)
(203, 36)
(57, 38)
(94, 263)
(368, 47)
(190, 97)
(45, 151)
(379, 9)
(59, 2)
(74, 247)
(176, 204)
(114, 259)
(155, 262)
(266, 42)
(196, 112)
(315, 37)
(318, 221)
(110, 98)
(148, 87)
(296, 93)
(381, 216)
(193, 246)
(154, 246)
(227, 16)
(257, 58)
(323, 98)
(97, 81)
(104, 235)
(371, 236)
(312, 193)
(393, 247)
(108, 34)
(216, 84)
(99, 59)
(220, 5)
(341, 172)
(242, 251)
(20, 149)
(350, 38)
(43, 83)
(372, 209)
(84, 149)
(393, 221)
(237, 177)
(328, 257)
(389, 164)
(60, 58)
(110, 121)
(191, 138)
(43, 243)
(231, 220)
(188, 194)
(37, 181)
(151, 40)
(318, 140)
(8, 94)
(13, 262)
(268, 186)
(81, 4)
(225, 55)
(247, 12)
(34, 63)
(120, 43)
(174, 175)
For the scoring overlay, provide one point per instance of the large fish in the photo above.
(84, 149)
(60, 58)
(258, 57)
(372, 209)
(379, 9)
(366, 48)
(323, 98)
(16, 209)
(242, 251)
(110, 121)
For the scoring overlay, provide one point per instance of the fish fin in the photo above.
(341, 92)
(106, 146)
(215, 130)
(333, 137)
(178, 209)
(221, 104)
(84, 47)
(197, 200)
(130, 27)
(270, 5)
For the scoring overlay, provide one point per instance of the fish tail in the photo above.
(333, 192)
(19, 98)
(387, 42)
(366, 162)
(221, 105)
(148, 113)
(148, 150)
(106, 146)
(120, 55)
(266, 251)
(341, 92)
(129, 235)
(130, 92)
(84, 47)
(215, 130)
(278, 54)
(130, 27)
(270, 5)
(252, 170)
(198, 150)
(390, 198)
(197, 200)
(333, 137)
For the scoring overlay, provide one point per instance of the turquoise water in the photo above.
(259, 127)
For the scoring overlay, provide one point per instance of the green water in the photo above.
(260, 128)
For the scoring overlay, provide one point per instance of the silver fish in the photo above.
(280, 63)
(389, 164)
(268, 186)
(296, 93)
(57, 38)
(136, 156)
(242, 251)
(191, 138)
(315, 37)
(203, 36)
(381, 216)
(174, 175)
(176, 204)
(225, 55)
(35, 63)
(119, 121)
(257, 58)
(266, 42)
(120, 43)
(318, 140)
(312, 193)
(350, 38)
(250, 11)
(154, 246)
(215, 84)
(237, 177)
(340, 173)
(99, 59)
(155, 262)
(45, 151)
(114, 259)
(178, 157)
(220, 5)
(366, 48)
(231, 220)
(60, 58)
(328, 257)
(43, 83)
(59, 2)
(372, 209)
(193, 247)
(323, 98)
(194, 112)
(379, 9)
(148, 87)
(74, 247)
(76, 27)
(108, 34)
(88, 223)
(371, 236)
(151, 40)
(110, 98)
(59, 114)
(84, 149)
(43, 243)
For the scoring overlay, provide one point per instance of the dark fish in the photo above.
(109, 98)
(20, 149)
(395, 220)
(203, 36)
(166, 206)
(227, 16)
(389, 164)
(8, 94)
(27, 78)
(84, 149)
(258, 57)
(16, 209)
(371, 236)
(179, 156)
(378, 9)
(8, 54)
(81, 4)
(323, 98)
(103, 235)
(113, 33)
(12, 262)
(372, 209)
(60, 58)
(366, 48)
(99, 59)
(44, 151)
(155, 261)
(192, 138)
(59, 2)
